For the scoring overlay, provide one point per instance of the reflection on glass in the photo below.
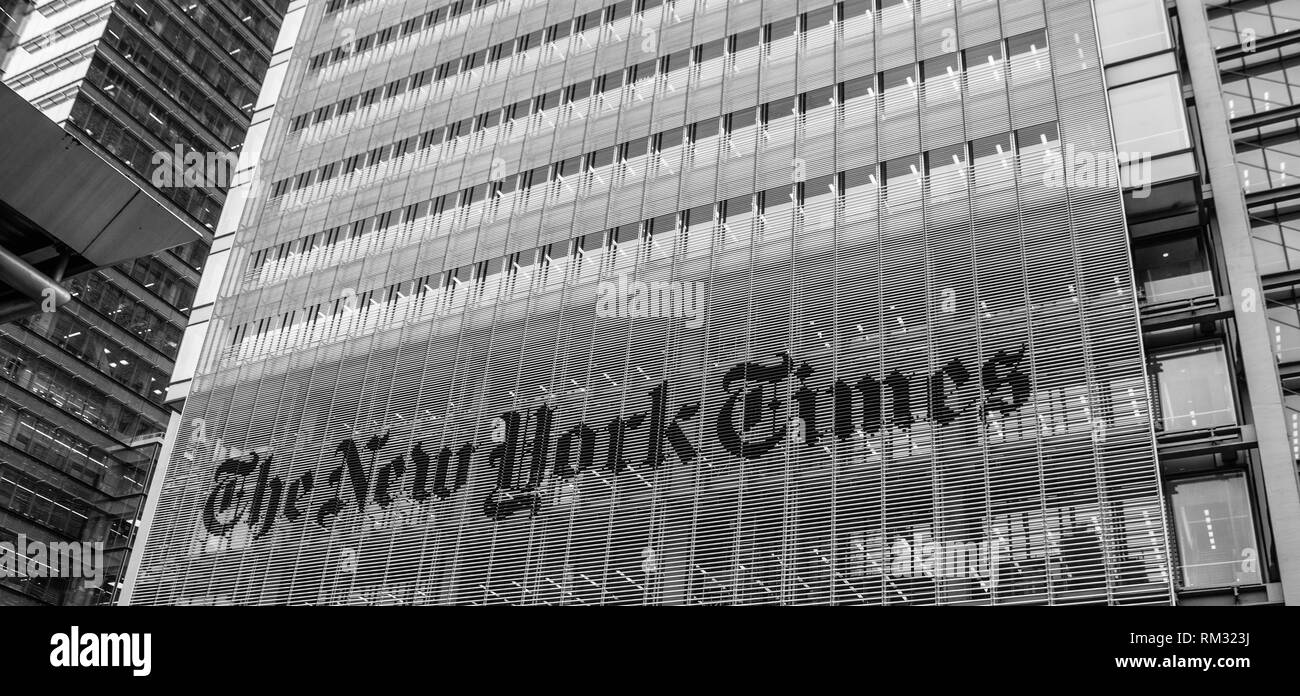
(861, 190)
(946, 168)
(1262, 18)
(895, 14)
(1216, 540)
(1131, 28)
(983, 68)
(898, 89)
(1149, 116)
(992, 158)
(1291, 402)
(941, 79)
(1193, 388)
(902, 181)
(1284, 328)
(1172, 269)
(1270, 158)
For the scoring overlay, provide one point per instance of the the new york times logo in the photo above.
(77, 649)
(764, 406)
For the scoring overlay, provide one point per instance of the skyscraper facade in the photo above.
(10, 14)
(147, 86)
(706, 302)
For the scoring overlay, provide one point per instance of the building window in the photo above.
(946, 168)
(1276, 239)
(1172, 269)
(1233, 25)
(894, 14)
(1284, 323)
(1216, 537)
(1131, 28)
(1291, 406)
(983, 68)
(1268, 156)
(1192, 388)
(1149, 118)
(1256, 87)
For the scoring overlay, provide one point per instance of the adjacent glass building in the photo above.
(705, 302)
(9, 16)
(82, 390)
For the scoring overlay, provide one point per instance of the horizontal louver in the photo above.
(855, 350)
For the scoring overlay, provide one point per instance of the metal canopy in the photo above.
(70, 194)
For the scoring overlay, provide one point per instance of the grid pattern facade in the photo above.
(696, 302)
(1257, 45)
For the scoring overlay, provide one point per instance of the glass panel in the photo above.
(1131, 28)
(991, 158)
(1249, 20)
(903, 181)
(1149, 116)
(1172, 269)
(898, 87)
(1270, 156)
(1284, 327)
(946, 168)
(942, 79)
(895, 14)
(1044, 139)
(1216, 539)
(1291, 404)
(983, 67)
(936, 8)
(1193, 388)
(1277, 240)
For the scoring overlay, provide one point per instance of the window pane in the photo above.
(1193, 388)
(1149, 117)
(1284, 325)
(1131, 28)
(1216, 540)
(1172, 269)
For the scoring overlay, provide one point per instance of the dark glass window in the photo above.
(1172, 268)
